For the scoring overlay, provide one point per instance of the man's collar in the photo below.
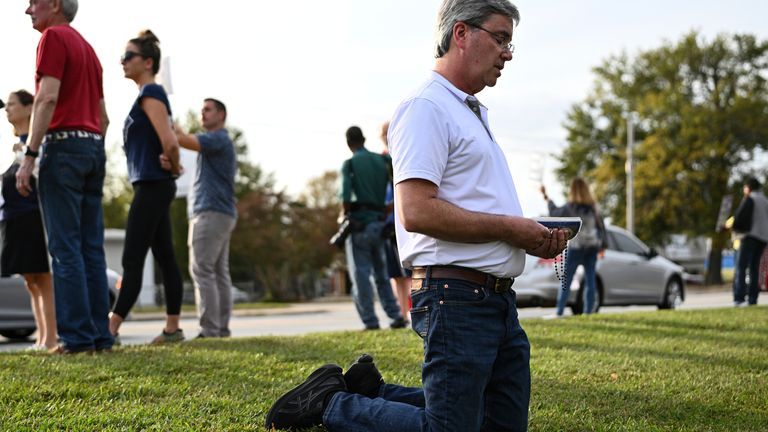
(462, 96)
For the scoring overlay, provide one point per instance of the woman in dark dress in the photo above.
(24, 250)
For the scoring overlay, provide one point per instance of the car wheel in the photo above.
(578, 307)
(17, 334)
(673, 294)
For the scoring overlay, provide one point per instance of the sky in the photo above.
(294, 79)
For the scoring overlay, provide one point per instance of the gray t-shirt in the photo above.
(214, 187)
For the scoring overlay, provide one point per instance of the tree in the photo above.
(118, 192)
(701, 108)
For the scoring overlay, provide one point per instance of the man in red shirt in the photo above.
(69, 121)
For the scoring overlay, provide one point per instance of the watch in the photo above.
(31, 152)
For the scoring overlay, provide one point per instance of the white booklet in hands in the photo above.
(572, 224)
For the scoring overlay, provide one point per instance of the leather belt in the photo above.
(61, 135)
(499, 285)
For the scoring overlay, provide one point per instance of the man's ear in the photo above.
(460, 34)
(56, 6)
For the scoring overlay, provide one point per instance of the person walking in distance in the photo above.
(460, 229)
(751, 220)
(584, 249)
(213, 218)
(69, 120)
(148, 134)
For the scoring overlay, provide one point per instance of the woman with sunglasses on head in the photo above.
(147, 135)
(24, 251)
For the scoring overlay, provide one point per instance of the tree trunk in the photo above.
(714, 274)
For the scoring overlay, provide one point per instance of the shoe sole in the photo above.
(320, 374)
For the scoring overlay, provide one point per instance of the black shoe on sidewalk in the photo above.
(362, 377)
(303, 406)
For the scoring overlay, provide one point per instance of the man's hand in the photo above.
(23, 175)
(551, 243)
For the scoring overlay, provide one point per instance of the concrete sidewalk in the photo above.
(337, 303)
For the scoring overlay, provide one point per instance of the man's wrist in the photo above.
(31, 153)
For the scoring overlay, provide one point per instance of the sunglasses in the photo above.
(129, 55)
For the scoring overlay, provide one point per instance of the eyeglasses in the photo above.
(129, 55)
(501, 39)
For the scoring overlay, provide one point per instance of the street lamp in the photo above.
(629, 168)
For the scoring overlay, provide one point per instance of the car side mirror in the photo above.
(652, 253)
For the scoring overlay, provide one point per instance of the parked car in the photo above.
(16, 319)
(630, 273)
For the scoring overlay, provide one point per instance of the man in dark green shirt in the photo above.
(363, 192)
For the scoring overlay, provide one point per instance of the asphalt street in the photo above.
(326, 316)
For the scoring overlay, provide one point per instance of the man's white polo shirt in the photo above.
(435, 136)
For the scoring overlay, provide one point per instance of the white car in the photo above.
(630, 273)
(16, 319)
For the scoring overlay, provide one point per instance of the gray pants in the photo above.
(208, 242)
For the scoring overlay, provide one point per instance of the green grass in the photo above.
(660, 371)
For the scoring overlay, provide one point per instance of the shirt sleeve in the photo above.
(419, 142)
(51, 56)
(212, 142)
(346, 183)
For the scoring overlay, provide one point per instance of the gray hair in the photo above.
(472, 12)
(69, 9)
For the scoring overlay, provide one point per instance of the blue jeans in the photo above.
(476, 373)
(750, 253)
(365, 258)
(588, 258)
(71, 183)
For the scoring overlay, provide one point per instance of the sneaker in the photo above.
(372, 327)
(165, 338)
(740, 304)
(303, 406)
(117, 341)
(362, 377)
(399, 323)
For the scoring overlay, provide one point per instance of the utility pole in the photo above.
(629, 168)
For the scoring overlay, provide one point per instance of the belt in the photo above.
(499, 285)
(60, 135)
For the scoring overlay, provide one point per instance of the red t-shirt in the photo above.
(65, 55)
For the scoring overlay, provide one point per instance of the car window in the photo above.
(627, 244)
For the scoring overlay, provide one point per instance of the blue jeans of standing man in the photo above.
(365, 258)
(750, 253)
(476, 373)
(71, 181)
(576, 257)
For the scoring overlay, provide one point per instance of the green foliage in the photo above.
(118, 192)
(284, 243)
(702, 370)
(701, 107)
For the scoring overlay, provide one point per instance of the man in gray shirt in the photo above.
(213, 218)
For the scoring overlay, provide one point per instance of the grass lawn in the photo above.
(701, 370)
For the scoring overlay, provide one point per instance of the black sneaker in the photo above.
(362, 377)
(399, 323)
(303, 406)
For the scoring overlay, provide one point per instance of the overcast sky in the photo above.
(295, 75)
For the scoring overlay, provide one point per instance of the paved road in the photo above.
(335, 316)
